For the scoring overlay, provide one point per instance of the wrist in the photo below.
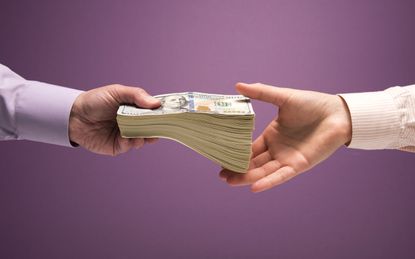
(344, 121)
(75, 121)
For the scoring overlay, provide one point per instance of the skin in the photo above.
(92, 122)
(310, 126)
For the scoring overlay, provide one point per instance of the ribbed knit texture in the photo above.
(384, 119)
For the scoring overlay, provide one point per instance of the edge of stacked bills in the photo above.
(216, 126)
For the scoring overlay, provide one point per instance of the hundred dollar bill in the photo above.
(194, 102)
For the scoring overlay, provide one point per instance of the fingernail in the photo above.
(222, 177)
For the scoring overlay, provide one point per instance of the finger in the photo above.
(253, 175)
(278, 177)
(137, 142)
(260, 160)
(122, 145)
(135, 95)
(225, 173)
(266, 93)
(258, 146)
(151, 140)
(222, 175)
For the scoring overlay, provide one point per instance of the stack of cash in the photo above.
(218, 127)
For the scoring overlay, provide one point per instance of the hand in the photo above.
(310, 126)
(92, 123)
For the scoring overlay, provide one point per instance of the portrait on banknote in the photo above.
(174, 102)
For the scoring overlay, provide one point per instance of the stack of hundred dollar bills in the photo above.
(218, 127)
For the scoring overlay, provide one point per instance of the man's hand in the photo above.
(92, 123)
(310, 126)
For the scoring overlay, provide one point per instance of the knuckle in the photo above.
(115, 85)
(141, 91)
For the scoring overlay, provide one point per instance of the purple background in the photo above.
(165, 200)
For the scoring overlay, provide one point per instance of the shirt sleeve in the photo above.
(384, 119)
(34, 110)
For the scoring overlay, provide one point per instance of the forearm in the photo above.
(384, 119)
(33, 110)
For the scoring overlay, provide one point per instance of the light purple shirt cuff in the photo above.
(42, 112)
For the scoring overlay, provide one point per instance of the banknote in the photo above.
(216, 126)
(194, 102)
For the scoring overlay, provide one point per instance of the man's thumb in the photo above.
(137, 96)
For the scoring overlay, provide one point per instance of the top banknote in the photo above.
(194, 102)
